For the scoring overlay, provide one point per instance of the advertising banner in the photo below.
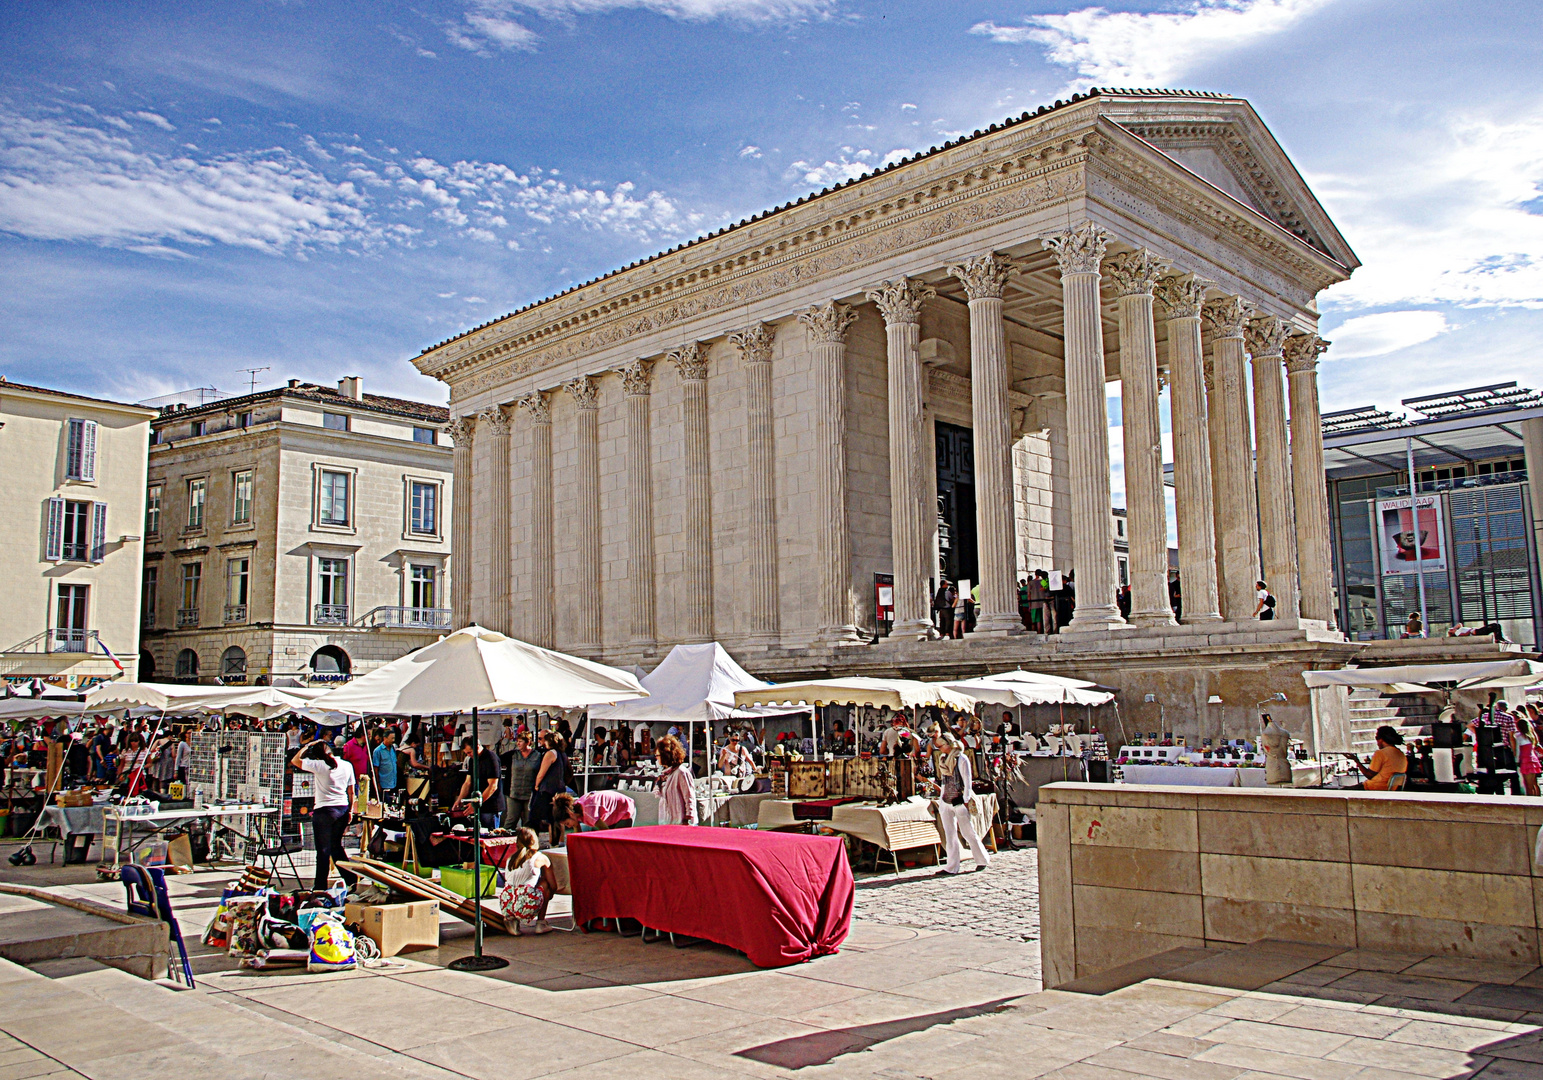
(1409, 525)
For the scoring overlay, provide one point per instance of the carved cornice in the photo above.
(1225, 317)
(1134, 273)
(1183, 295)
(585, 393)
(827, 323)
(537, 406)
(755, 343)
(495, 420)
(690, 360)
(462, 430)
(901, 301)
(1079, 250)
(985, 276)
(636, 377)
(1266, 337)
(1302, 352)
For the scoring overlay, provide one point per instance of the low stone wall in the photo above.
(1129, 871)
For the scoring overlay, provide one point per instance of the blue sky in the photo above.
(323, 189)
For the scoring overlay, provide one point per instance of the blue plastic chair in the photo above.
(147, 896)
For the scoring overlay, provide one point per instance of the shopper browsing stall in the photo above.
(529, 885)
(957, 781)
(490, 801)
(677, 796)
(549, 782)
(598, 810)
(335, 786)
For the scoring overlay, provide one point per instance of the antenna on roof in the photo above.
(251, 374)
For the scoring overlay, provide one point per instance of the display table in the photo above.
(885, 827)
(163, 821)
(78, 827)
(780, 898)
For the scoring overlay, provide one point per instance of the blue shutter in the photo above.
(88, 450)
(54, 544)
(98, 531)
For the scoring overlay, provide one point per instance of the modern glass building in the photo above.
(1471, 532)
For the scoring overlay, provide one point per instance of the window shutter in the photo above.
(88, 450)
(98, 531)
(55, 542)
(72, 440)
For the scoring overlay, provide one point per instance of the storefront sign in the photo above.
(1407, 526)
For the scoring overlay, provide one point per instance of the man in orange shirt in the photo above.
(1387, 762)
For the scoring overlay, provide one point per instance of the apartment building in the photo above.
(299, 532)
(70, 541)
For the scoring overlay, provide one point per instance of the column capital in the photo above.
(754, 342)
(690, 360)
(901, 301)
(1226, 316)
(1080, 250)
(537, 406)
(462, 430)
(1183, 295)
(984, 276)
(827, 323)
(496, 419)
(1302, 352)
(635, 377)
(1134, 273)
(1267, 336)
(585, 393)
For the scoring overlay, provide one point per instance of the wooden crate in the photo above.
(806, 780)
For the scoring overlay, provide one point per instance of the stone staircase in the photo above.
(1370, 710)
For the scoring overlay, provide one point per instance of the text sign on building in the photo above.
(1406, 527)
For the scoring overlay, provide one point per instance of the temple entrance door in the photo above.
(956, 502)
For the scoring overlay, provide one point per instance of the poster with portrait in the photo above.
(1410, 531)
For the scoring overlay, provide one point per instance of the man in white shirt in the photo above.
(334, 783)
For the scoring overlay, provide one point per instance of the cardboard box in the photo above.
(395, 927)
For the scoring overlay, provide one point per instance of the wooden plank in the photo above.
(456, 904)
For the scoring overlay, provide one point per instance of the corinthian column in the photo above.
(996, 527)
(1079, 252)
(691, 362)
(1133, 275)
(586, 395)
(900, 302)
(543, 564)
(496, 609)
(640, 502)
(462, 431)
(1277, 533)
(1309, 489)
(1232, 467)
(1193, 506)
(755, 347)
(827, 326)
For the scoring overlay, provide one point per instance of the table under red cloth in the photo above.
(780, 898)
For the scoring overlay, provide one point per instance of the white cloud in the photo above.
(1135, 49)
(750, 152)
(1388, 331)
(488, 23)
(491, 24)
(907, 106)
(154, 118)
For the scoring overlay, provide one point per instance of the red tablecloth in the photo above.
(780, 898)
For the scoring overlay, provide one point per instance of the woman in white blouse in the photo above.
(677, 798)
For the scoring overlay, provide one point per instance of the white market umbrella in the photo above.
(1416, 678)
(895, 694)
(1010, 688)
(39, 709)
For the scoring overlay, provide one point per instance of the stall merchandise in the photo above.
(780, 898)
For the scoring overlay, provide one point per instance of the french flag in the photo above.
(116, 662)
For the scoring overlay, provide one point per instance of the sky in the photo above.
(322, 189)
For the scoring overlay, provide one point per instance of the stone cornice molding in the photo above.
(495, 420)
(636, 378)
(1183, 295)
(1078, 250)
(537, 406)
(1134, 273)
(1302, 352)
(690, 360)
(1227, 316)
(585, 393)
(1266, 337)
(984, 276)
(755, 343)
(462, 430)
(901, 301)
(827, 323)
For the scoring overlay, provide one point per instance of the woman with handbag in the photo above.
(956, 779)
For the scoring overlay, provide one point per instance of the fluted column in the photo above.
(586, 525)
(462, 431)
(1079, 252)
(1277, 533)
(496, 608)
(1315, 566)
(755, 347)
(1232, 466)
(691, 362)
(542, 627)
(1193, 505)
(996, 526)
(900, 302)
(827, 327)
(1133, 275)
(635, 378)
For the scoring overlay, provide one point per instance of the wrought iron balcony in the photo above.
(414, 617)
(235, 613)
(65, 640)
(147, 619)
(330, 615)
(187, 616)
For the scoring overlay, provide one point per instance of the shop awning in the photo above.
(894, 694)
(1010, 688)
(256, 701)
(1417, 678)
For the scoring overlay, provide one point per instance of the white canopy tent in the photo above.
(1418, 678)
(40, 709)
(1011, 688)
(895, 694)
(260, 702)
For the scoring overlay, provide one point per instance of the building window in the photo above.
(198, 427)
(424, 516)
(147, 597)
(334, 498)
(244, 420)
(241, 498)
(153, 511)
(192, 578)
(421, 587)
(77, 531)
(198, 491)
(70, 625)
(238, 576)
(233, 662)
(80, 450)
(424, 435)
(332, 591)
(1124, 565)
(335, 420)
(187, 664)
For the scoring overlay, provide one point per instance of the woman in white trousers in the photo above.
(956, 779)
